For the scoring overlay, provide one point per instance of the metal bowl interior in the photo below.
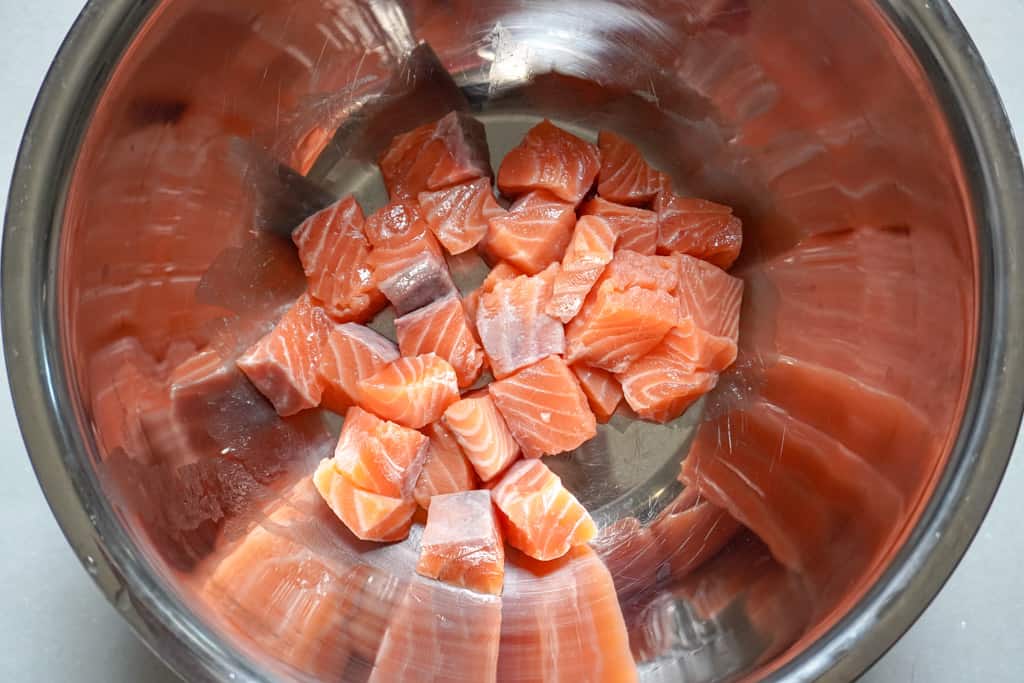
(854, 447)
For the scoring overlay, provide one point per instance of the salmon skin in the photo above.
(551, 159)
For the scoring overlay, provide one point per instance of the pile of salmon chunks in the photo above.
(592, 299)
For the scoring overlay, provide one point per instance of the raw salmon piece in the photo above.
(458, 216)
(380, 456)
(411, 391)
(283, 364)
(710, 298)
(350, 353)
(446, 469)
(601, 388)
(625, 177)
(407, 260)
(395, 223)
(370, 516)
(549, 158)
(561, 621)
(501, 271)
(335, 258)
(637, 228)
(436, 155)
(662, 384)
(545, 408)
(627, 313)
(439, 633)
(462, 543)
(593, 241)
(513, 327)
(442, 328)
(542, 518)
(533, 233)
(481, 431)
(699, 228)
(632, 269)
(416, 279)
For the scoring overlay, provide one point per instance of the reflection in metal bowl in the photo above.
(793, 522)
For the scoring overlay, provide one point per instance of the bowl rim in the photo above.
(994, 177)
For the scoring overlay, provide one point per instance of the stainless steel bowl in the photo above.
(861, 142)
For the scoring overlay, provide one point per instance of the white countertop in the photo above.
(56, 626)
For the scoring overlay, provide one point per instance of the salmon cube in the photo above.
(458, 216)
(602, 389)
(436, 155)
(446, 469)
(593, 241)
(637, 228)
(542, 518)
(552, 159)
(370, 516)
(481, 431)
(335, 258)
(700, 228)
(533, 234)
(632, 269)
(627, 313)
(710, 298)
(625, 177)
(350, 353)
(411, 391)
(665, 382)
(442, 328)
(283, 364)
(545, 408)
(501, 271)
(380, 456)
(513, 326)
(462, 543)
(407, 260)
(395, 223)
